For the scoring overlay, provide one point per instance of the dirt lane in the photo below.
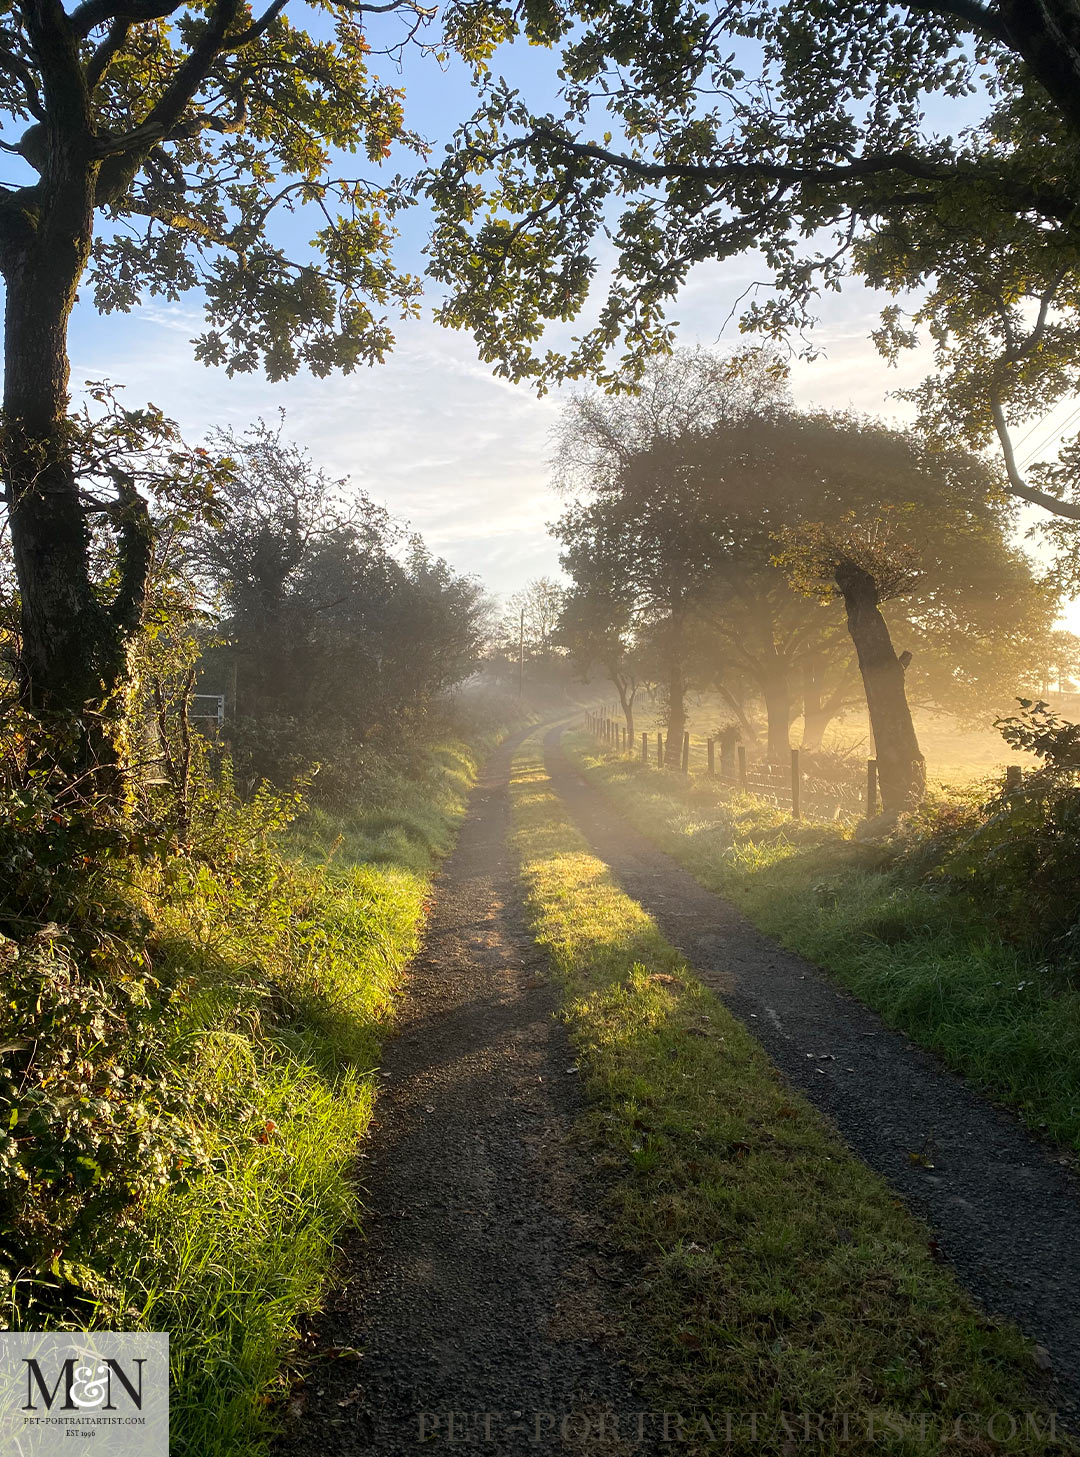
(1005, 1212)
(473, 1291)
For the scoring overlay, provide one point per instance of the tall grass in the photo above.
(287, 988)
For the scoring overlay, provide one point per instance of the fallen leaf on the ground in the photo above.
(353, 1397)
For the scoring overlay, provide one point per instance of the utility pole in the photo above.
(521, 655)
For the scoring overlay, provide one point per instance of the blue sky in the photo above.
(458, 453)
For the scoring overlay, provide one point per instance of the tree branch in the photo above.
(92, 13)
(1051, 204)
(16, 66)
(56, 51)
(969, 13)
(1017, 485)
(102, 58)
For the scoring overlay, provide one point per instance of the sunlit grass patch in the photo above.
(921, 957)
(775, 1273)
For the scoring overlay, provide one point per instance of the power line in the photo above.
(1057, 430)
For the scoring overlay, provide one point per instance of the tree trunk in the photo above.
(676, 697)
(1047, 35)
(73, 654)
(777, 695)
(900, 764)
(735, 704)
(626, 701)
(818, 710)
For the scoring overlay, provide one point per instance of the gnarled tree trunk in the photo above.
(901, 767)
(73, 654)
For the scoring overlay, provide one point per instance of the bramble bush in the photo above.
(1016, 854)
(98, 1106)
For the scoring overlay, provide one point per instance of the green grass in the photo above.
(774, 1272)
(919, 956)
(288, 986)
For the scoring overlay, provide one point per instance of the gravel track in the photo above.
(1005, 1210)
(473, 1290)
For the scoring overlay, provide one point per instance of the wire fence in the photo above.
(796, 786)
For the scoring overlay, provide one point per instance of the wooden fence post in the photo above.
(796, 786)
(871, 788)
(710, 751)
(659, 749)
(686, 753)
(1014, 776)
(644, 748)
(741, 750)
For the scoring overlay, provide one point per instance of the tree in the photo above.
(692, 529)
(1059, 662)
(639, 525)
(184, 127)
(533, 617)
(889, 520)
(866, 565)
(823, 135)
(342, 629)
(596, 628)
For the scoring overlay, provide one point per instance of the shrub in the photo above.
(1017, 853)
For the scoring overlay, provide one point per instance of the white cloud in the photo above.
(461, 454)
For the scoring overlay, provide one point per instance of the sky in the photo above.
(459, 454)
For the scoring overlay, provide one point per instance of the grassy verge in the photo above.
(778, 1275)
(920, 957)
(287, 979)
